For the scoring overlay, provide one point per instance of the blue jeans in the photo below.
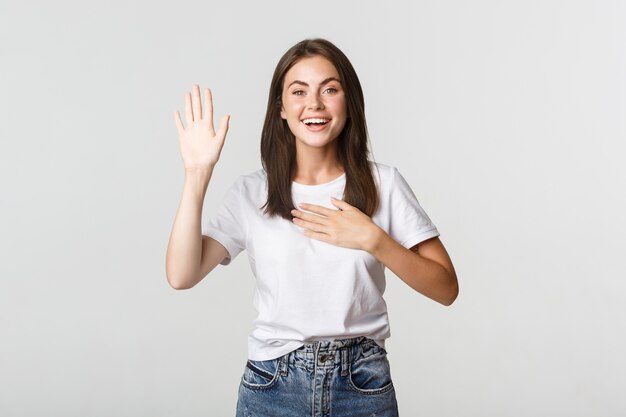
(337, 378)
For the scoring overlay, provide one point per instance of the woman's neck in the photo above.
(317, 166)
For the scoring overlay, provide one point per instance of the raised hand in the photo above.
(200, 144)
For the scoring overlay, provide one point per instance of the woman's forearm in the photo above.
(184, 250)
(423, 275)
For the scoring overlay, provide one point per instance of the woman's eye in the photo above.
(331, 90)
(298, 92)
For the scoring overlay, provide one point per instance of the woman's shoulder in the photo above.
(383, 173)
(252, 184)
(383, 168)
(252, 178)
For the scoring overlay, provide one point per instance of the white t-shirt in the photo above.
(306, 289)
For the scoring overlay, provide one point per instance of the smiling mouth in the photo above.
(315, 121)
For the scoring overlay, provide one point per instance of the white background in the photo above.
(506, 117)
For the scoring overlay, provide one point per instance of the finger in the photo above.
(224, 123)
(318, 236)
(318, 209)
(179, 123)
(197, 103)
(208, 104)
(313, 218)
(342, 205)
(310, 226)
(188, 109)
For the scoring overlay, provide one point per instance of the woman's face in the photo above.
(313, 102)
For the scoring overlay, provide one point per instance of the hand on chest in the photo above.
(281, 244)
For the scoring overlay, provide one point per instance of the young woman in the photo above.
(320, 223)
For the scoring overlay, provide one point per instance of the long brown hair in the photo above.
(278, 148)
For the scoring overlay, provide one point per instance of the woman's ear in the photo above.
(279, 104)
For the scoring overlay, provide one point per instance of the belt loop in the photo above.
(345, 360)
(283, 365)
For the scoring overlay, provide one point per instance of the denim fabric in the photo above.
(339, 378)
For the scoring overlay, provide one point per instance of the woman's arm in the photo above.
(426, 267)
(190, 256)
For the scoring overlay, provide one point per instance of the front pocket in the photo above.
(371, 375)
(260, 374)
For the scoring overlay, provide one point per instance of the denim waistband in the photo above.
(329, 354)
(329, 345)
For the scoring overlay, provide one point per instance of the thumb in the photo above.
(224, 123)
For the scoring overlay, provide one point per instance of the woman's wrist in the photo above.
(197, 179)
(375, 239)
(200, 170)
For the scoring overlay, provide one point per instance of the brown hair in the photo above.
(278, 149)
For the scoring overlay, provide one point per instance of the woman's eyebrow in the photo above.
(327, 80)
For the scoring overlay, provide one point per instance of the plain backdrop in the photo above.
(506, 117)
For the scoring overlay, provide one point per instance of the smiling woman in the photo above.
(314, 104)
(314, 79)
(320, 223)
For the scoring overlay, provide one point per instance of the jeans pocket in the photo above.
(260, 374)
(371, 375)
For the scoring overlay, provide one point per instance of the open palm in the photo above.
(200, 144)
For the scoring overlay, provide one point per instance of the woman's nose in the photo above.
(315, 103)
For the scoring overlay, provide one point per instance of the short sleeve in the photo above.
(409, 224)
(228, 226)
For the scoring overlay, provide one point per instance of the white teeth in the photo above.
(315, 120)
